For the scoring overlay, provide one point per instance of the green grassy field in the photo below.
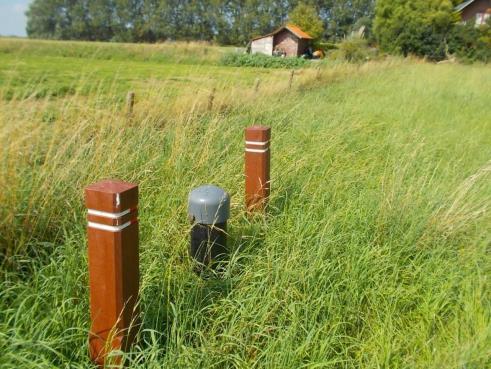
(374, 253)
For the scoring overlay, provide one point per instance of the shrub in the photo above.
(414, 27)
(353, 50)
(471, 43)
(261, 61)
(326, 46)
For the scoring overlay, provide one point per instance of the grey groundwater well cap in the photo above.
(209, 204)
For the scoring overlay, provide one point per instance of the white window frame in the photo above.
(481, 18)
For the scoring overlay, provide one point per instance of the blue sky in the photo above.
(12, 18)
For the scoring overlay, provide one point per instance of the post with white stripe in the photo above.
(113, 267)
(257, 167)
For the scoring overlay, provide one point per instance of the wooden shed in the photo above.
(288, 40)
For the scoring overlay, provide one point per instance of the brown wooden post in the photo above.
(211, 98)
(256, 85)
(130, 102)
(257, 167)
(113, 266)
(290, 82)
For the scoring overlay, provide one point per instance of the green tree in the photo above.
(78, 26)
(44, 19)
(224, 21)
(341, 17)
(126, 20)
(419, 27)
(306, 17)
(239, 20)
(100, 19)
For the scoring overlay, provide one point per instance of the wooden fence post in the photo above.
(256, 85)
(211, 98)
(290, 82)
(112, 233)
(257, 167)
(130, 102)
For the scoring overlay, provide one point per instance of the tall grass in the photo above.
(374, 252)
(168, 52)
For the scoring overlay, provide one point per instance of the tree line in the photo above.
(229, 22)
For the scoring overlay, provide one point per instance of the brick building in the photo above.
(476, 11)
(288, 40)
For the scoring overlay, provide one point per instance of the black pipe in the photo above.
(208, 243)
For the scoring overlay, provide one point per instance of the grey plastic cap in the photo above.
(209, 204)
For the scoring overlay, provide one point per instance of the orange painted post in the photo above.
(257, 167)
(112, 232)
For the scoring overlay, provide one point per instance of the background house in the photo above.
(477, 11)
(288, 40)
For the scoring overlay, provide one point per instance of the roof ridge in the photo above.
(297, 31)
(293, 28)
(464, 5)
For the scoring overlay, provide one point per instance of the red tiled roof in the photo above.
(290, 27)
(298, 32)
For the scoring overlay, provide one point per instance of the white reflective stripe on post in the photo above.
(105, 227)
(257, 143)
(256, 150)
(105, 214)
